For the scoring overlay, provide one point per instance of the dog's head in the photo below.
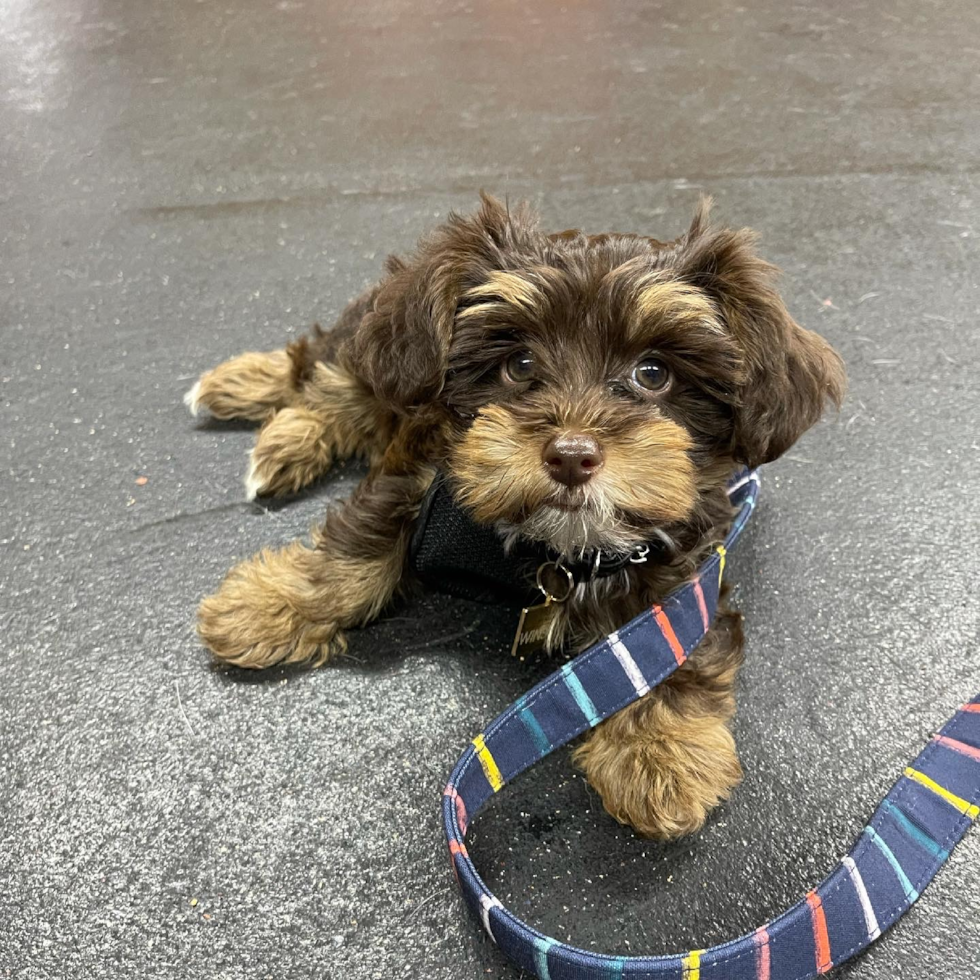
(599, 384)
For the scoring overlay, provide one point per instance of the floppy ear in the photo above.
(790, 373)
(401, 346)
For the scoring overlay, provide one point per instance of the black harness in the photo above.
(451, 553)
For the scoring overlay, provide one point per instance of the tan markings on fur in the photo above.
(480, 309)
(659, 297)
(500, 477)
(362, 426)
(251, 386)
(291, 451)
(649, 472)
(267, 612)
(338, 418)
(511, 288)
(497, 470)
(289, 606)
(659, 772)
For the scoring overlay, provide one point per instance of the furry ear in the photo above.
(790, 373)
(401, 346)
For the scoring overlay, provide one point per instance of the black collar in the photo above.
(595, 564)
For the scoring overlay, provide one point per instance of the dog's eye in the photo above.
(651, 375)
(518, 367)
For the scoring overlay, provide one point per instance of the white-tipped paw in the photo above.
(251, 386)
(192, 399)
(255, 482)
(291, 451)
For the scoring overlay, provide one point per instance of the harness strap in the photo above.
(908, 839)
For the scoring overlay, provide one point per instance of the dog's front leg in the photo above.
(662, 763)
(291, 605)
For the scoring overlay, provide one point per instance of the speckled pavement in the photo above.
(182, 181)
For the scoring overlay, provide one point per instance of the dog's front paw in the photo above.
(662, 783)
(256, 619)
(291, 451)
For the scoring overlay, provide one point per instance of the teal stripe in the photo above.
(914, 832)
(910, 893)
(535, 731)
(541, 947)
(616, 968)
(581, 698)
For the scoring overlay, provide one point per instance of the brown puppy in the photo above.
(585, 392)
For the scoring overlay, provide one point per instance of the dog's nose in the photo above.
(572, 458)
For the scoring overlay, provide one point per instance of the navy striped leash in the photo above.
(925, 814)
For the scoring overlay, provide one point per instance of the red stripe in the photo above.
(704, 609)
(669, 635)
(762, 954)
(450, 791)
(820, 936)
(456, 848)
(972, 706)
(958, 746)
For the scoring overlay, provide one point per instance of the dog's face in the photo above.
(596, 389)
(598, 386)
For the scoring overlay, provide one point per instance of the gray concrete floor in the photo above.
(181, 181)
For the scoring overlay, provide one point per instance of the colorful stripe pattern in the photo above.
(905, 843)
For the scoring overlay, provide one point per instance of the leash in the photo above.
(910, 836)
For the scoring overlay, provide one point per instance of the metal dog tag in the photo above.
(536, 621)
(533, 628)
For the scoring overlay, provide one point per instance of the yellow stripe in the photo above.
(962, 805)
(490, 769)
(721, 568)
(692, 965)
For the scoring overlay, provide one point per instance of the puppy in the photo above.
(584, 393)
